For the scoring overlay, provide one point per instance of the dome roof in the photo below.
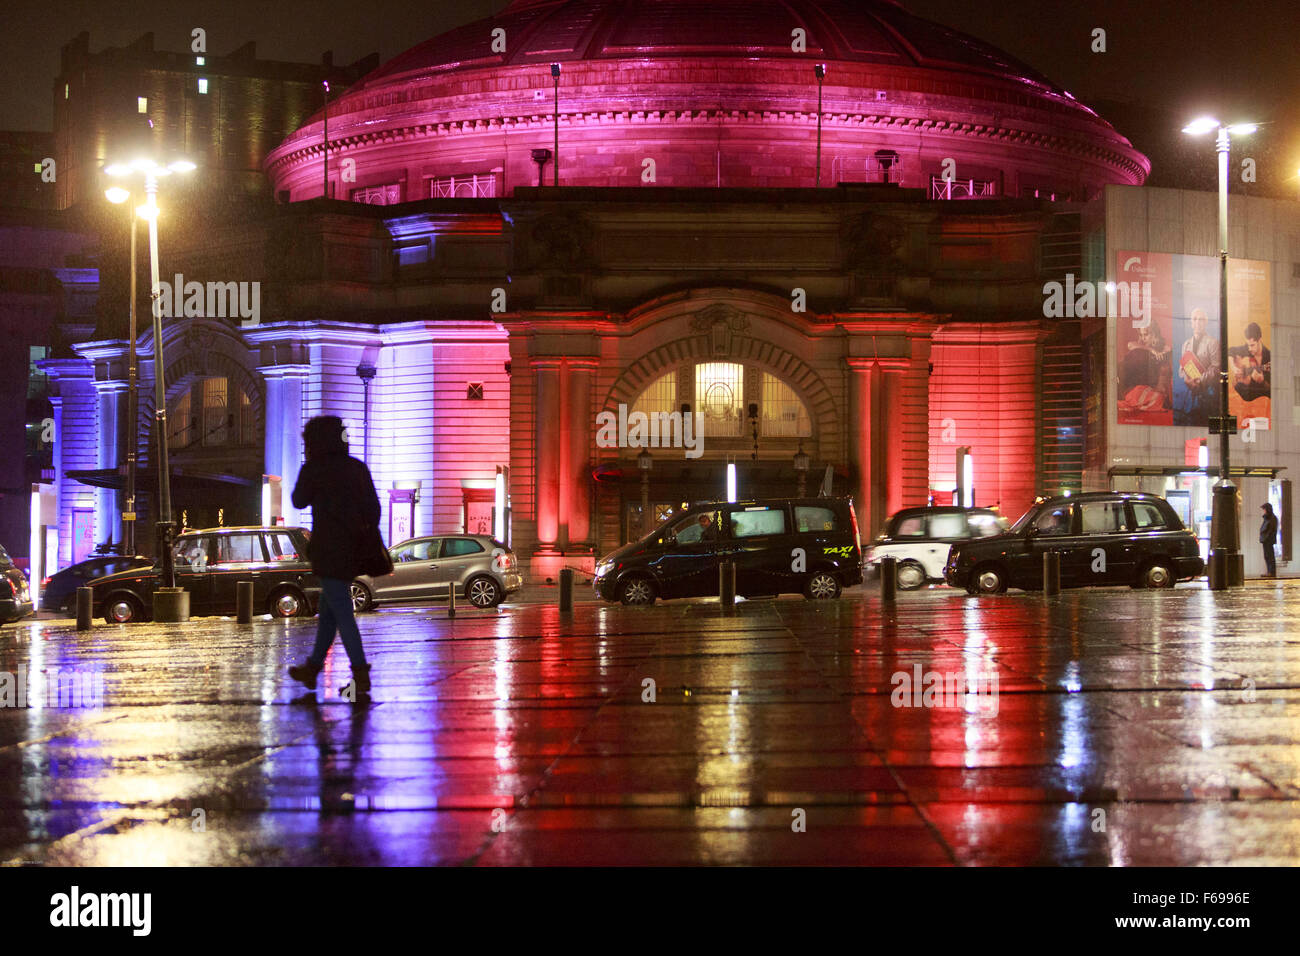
(712, 93)
(865, 31)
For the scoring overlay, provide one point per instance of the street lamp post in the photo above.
(1225, 525)
(820, 70)
(645, 461)
(122, 196)
(325, 192)
(555, 156)
(170, 603)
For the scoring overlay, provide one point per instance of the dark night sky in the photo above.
(1167, 59)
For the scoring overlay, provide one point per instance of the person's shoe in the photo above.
(359, 687)
(305, 674)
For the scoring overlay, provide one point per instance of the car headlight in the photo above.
(603, 568)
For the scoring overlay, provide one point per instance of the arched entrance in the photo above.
(759, 406)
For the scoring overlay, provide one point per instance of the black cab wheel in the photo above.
(637, 591)
(362, 599)
(1157, 574)
(910, 575)
(287, 603)
(121, 609)
(822, 586)
(989, 579)
(484, 592)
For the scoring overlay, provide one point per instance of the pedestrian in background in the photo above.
(345, 516)
(1268, 538)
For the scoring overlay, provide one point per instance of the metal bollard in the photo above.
(1051, 572)
(244, 602)
(85, 601)
(566, 590)
(888, 578)
(1217, 570)
(451, 599)
(727, 586)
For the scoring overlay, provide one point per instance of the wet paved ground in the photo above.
(1124, 728)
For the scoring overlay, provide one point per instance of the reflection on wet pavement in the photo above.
(1103, 727)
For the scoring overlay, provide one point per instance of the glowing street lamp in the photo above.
(119, 196)
(1225, 530)
(170, 602)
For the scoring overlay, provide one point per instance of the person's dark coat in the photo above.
(1268, 530)
(341, 494)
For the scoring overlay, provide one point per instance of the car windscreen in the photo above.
(1023, 521)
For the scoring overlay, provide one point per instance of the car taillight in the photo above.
(505, 561)
(45, 582)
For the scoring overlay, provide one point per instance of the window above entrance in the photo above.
(721, 392)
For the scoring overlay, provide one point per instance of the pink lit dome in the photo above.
(712, 93)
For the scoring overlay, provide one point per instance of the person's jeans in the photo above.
(336, 614)
(1270, 560)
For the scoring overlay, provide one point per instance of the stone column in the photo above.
(109, 455)
(282, 431)
(577, 484)
(876, 439)
(547, 435)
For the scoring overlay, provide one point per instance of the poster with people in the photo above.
(1168, 352)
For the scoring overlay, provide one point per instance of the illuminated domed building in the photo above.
(471, 318)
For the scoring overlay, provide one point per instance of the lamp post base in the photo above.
(171, 605)
(1226, 569)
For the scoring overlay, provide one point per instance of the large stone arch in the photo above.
(721, 327)
(202, 349)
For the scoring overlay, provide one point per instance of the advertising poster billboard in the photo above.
(1168, 355)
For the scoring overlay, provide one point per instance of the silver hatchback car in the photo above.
(482, 569)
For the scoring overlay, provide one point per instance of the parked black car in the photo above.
(1103, 537)
(59, 591)
(804, 546)
(15, 595)
(209, 564)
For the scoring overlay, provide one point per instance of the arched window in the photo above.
(721, 393)
(212, 413)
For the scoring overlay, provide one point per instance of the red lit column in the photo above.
(575, 500)
(548, 451)
(876, 439)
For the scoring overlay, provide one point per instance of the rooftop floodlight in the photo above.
(1242, 129)
(181, 166)
(117, 195)
(1199, 127)
(820, 70)
(117, 169)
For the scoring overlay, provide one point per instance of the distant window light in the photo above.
(203, 84)
(142, 104)
(388, 194)
(200, 61)
(65, 91)
(474, 391)
(38, 168)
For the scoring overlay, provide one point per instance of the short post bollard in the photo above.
(85, 601)
(244, 602)
(888, 579)
(566, 590)
(451, 599)
(1217, 570)
(727, 585)
(1051, 572)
